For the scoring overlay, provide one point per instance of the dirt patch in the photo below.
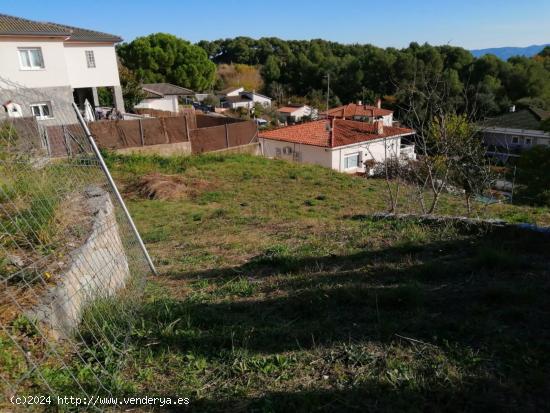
(165, 187)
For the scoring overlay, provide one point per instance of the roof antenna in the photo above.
(328, 91)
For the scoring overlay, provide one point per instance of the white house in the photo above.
(56, 64)
(237, 97)
(296, 113)
(343, 145)
(163, 96)
(361, 112)
(506, 136)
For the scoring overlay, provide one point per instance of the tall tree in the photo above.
(162, 57)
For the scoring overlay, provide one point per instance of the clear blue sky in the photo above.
(468, 23)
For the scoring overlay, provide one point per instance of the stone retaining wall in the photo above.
(98, 269)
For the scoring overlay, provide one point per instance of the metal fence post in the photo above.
(114, 187)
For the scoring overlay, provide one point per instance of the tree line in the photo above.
(299, 68)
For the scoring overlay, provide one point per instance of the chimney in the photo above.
(359, 103)
(379, 127)
(513, 108)
(379, 103)
(330, 130)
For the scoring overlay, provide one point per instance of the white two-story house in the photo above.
(46, 66)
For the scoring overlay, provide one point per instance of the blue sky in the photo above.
(467, 23)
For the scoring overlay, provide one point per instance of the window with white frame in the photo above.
(42, 110)
(90, 59)
(30, 58)
(352, 160)
(528, 141)
(515, 140)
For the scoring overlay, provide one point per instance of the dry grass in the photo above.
(165, 187)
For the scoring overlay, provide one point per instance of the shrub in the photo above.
(533, 174)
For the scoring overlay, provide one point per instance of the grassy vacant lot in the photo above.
(276, 294)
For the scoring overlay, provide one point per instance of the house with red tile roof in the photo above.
(296, 113)
(341, 144)
(360, 112)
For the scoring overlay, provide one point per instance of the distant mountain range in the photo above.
(506, 52)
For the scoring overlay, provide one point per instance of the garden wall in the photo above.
(99, 268)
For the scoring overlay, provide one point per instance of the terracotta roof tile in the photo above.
(351, 110)
(345, 132)
(165, 89)
(17, 26)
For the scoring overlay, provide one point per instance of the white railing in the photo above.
(407, 152)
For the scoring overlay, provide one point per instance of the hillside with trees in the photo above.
(297, 70)
(362, 72)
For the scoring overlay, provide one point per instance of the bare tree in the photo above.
(449, 150)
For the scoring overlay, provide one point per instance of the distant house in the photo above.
(362, 113)
(508, 135)
(343, 145)
(58, 64)
(163, 96)
(237, 97)
(296, 113)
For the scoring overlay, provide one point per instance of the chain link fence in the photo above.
(72, 265)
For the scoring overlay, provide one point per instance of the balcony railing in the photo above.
(407, 152)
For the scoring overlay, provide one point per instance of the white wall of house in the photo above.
(297, 114)
(105, 72)
(298, 152)
(167, 103)
(334, 158)
(235, 92)
(515, 138)
(367, 150)
(246, 104)
(256, 98)
(54, 72)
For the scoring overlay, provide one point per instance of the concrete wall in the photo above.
(80, 75)
(168, 149)
(98, 269)
(60, 99)
(168, 103)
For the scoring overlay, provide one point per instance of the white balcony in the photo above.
(407, 152)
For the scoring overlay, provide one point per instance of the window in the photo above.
(515, 139)
(90, 59)
(352, 160)
(31, 58)
(41, 111)
(287, 150)
(528, 141)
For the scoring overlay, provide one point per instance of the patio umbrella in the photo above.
(88, 112)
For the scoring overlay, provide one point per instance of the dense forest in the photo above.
(294, 70)
(362, 72)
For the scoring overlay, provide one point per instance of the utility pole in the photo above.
(328, 91)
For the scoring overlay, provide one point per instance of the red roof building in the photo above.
(354, 110)
(331, 142)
